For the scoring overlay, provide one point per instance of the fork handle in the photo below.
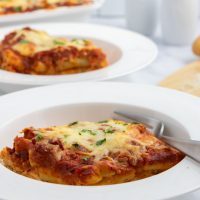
(190, 147)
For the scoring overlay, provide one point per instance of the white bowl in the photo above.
(127, 52)
(68, 14)
(59, 104)
(67, 113)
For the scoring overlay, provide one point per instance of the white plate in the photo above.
(126, 51)
(74, 13)
(52, 105)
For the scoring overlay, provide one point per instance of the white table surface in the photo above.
(170, 58)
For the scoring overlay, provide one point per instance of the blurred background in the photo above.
(172, 24)
(174, 41)
(115, 11)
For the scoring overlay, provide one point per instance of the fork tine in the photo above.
(156, 126)
(135, 117)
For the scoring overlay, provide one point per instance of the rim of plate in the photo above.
(180, 179)
(131, 45)
(53, 12)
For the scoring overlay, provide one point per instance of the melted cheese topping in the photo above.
(33, 41)
(28, 4)
(98, 138)
(60, 1)
(23, 4)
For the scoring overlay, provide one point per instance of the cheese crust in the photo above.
(89, 153)
(20, 6)
(32, 51)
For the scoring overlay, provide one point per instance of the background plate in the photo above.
(127, 52)
(74, 13)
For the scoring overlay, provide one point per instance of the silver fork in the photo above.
(190, 147)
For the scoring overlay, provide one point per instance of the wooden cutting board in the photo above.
(187, 79)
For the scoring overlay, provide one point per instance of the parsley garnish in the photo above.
(75, 40)
(135, 123)
(24, 42)
(57, 42)
(73, 123)
(17, 9)
(38, 137)
(100, 142)
(76, 145)
(87, 131)
(109, 130)
(101, 122)
(86, 42)
(80, 41)
(86, 158)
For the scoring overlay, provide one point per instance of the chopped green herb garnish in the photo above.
(24, 42)
(65, 136)
(76, 145)
(100, 142)
(86, 158)
(87, 131)
(73, 123)
(86, 41)
(38, 137)
(101, 122)
(135, 123)
(17, 9)
(109, 130)
(75, 40)
(57, 42)
(79, 41)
